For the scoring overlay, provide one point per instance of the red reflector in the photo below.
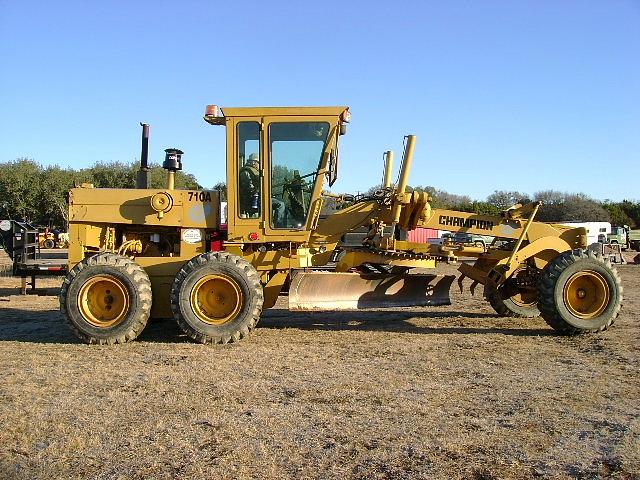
(253, 236)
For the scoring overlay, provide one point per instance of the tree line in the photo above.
(556, 206)
(30, 191)
(38, 194)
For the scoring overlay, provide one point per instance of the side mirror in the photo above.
(333, 166)
(343, 128)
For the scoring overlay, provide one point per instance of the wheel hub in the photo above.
(520, 289)
(103, 301)
(586, 294)
(524, 297)
(216, 299)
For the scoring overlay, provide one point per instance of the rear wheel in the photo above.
(513, 302)
(217, 297)
(517, 297)
(106, 299)
(579, 292)
(48, 244)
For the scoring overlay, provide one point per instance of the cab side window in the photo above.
(249, 181)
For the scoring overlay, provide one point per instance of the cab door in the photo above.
(296, 152)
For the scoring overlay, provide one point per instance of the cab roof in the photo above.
(282, 111)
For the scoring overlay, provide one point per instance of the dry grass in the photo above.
(447, 392)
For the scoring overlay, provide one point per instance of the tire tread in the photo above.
(547, 284)
(253, 282)
(142, 284)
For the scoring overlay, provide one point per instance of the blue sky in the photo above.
(502, 95)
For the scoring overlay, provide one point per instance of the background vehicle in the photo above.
(625, 237)
(46, 240)
(53, 239)
(136, 253)
(464, 238)
(595, 230)
(444, 237)
(21, 242)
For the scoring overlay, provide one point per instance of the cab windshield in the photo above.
(296, 152)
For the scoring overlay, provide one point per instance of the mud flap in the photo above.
(351, 291)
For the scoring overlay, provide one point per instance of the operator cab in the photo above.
(277, 161)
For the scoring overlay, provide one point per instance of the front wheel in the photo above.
(579, 292)
(217, 297)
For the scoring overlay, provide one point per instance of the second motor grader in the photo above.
(136, 253)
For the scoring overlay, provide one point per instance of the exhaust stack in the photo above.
(142, 180)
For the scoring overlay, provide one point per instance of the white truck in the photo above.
(596, 231)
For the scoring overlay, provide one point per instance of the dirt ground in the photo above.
(444, 392)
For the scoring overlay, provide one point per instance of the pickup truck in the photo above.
(446, 237)
(472, 239)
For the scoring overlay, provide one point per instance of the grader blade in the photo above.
(351, 291)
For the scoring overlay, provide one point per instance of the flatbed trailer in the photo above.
(21, 244)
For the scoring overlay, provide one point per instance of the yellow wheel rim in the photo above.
(216, 299)
(586, 294)
(525, 298)
(103, 301)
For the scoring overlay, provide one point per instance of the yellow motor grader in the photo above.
(214, 266)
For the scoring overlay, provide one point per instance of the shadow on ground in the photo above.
(48, 326)
(45, 326)
(396, 321)
(38, 292)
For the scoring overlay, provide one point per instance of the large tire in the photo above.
(106, 299)
(579, 292)
(512, 302)
(217, 297)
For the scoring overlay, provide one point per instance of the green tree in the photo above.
(54, 185)
(40, 195)
(482, 208)
(503, 199)
(158, 178)
(222, 188)
(617, 214)
(569, 207)
(632, 209)
(113, 175)
(19, 182)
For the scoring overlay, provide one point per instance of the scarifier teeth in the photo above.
(460, 279)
